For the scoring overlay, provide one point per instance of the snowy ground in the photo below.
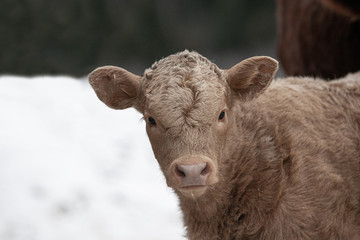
(73, 169)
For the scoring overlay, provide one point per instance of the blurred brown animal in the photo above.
(249, 159)
(319, 37)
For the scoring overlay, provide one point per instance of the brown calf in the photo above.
(249, 159)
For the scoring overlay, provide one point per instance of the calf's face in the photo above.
(187, 104)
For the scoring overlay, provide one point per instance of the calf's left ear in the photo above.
(115, 86)
(251, 76)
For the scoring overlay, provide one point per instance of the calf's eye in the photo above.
(152, 121)
(222, 115)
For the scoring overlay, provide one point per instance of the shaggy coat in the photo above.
(319, 37)
(248, 157)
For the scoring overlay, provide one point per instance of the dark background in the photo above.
(73, 37)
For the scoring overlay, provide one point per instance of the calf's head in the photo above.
(187, 104)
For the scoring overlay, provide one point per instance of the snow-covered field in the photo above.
(73, 169)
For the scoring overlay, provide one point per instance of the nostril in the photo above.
(206, 170)
(179, 172)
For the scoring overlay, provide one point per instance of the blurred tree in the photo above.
(75, 36)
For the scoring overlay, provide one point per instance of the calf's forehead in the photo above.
(184, 86)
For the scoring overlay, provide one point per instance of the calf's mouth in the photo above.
(193, 191)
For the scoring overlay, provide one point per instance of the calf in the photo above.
(249, 159)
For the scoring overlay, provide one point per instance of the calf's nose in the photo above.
(192, 174)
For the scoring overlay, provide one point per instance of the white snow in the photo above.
(73, 169)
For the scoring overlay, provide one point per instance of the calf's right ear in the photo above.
(115, 86)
